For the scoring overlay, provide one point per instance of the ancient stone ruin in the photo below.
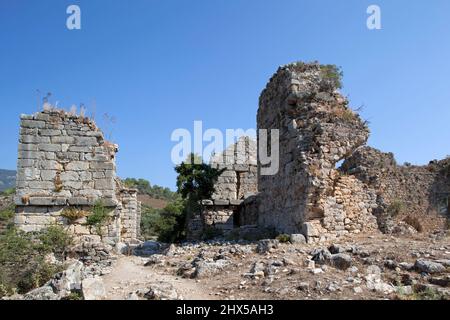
(65, 169)
(233, 190)
(310, 193)
(65, 166)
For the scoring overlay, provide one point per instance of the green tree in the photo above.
(195, 182)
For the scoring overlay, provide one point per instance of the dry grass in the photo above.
(414, 222)
(73, 214)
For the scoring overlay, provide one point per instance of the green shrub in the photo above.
(23, 266)
(166, 224)
(56, 240)
(332, 74)
(284, 238)
(98, 217)
(8, 192)
(8, 213)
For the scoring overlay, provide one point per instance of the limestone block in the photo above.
(102, 166)
(69, 176)
(86, 141)
(104, 184)
(27, 147)
(48, 175)
(49, 132)
(41, 185)
(77, 166)
(32, 124)
(50, 165)
(31, 155)
(63, 140)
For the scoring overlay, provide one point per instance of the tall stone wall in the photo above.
(317, 129)
(64, 162)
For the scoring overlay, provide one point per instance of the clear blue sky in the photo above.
(160, 65)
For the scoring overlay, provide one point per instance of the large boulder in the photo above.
(69, 280)
(43, 293)
(161, 291)
(297, 238)
(93, 288)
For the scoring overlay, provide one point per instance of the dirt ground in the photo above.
(381, 268)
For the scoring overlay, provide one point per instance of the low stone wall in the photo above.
(420, 191)
(35, 218)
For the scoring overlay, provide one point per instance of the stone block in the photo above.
(27, 147)
(48, 175)
(104, 184)
(221, 202)
(33, 124)
(49, 132)
(50, 165)
(77, 166)
(102, 166)
(86, 141)
(63, 140)
(69, 176)
(41, 185)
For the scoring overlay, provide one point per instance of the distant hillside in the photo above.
(7, 179)
(150, 202)
(153, 191)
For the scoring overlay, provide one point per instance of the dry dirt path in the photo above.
(129, 274)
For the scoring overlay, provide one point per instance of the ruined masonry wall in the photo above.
(317, 129)
(422, 191)
(239, 180)
(65, 162)
(237, 183)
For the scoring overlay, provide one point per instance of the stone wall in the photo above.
(239, 180)
(236, 184)
(420, 191)
(64, 162)
(317, 129)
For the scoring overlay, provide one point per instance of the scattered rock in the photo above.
(267, 245)
(303, 286)
(147, 248)
(156, 259)
(321, 256)
(298, 238)
(442, 281)
(341, 261)
(334, 249)
(428, 266)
